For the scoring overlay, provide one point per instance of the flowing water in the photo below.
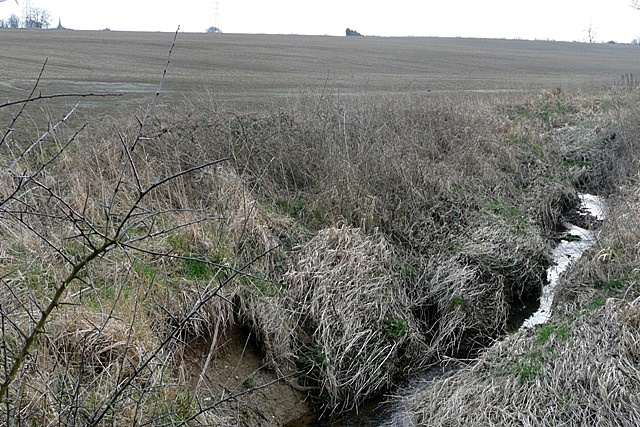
(574, 241)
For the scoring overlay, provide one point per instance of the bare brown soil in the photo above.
(264, 69)
(237, 367)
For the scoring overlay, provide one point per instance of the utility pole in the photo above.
(216, 11)
(27, 13)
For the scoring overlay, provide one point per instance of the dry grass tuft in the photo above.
(99, 341)
(213, 318)
(468, 190)
(610, 268)
(249, 229)
(583, 368)
(463, 297)
(260, 239)
(375, 236)
(354, 323)
(586, 372)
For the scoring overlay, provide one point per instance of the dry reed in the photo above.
(582, 373)
(354, 328)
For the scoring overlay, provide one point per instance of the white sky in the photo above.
(533, 19)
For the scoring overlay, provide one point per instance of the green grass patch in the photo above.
(596, 303)
(396, 327)
(312, 359)
(510, 214)
(571, 238)
(182, 408)
(259, 282)
(249, 382)
(549, 330)
(178, 243)
(612, 285)
(145, 269)
(294, 209)
(197, 269)
(458, 301)
(110, 293)
(528, 368)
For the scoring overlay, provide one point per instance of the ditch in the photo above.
(574, 240)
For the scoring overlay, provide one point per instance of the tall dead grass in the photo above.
(466, 192)
(354, 328)
(100, 356)
(374, 237)
(580, 369)
(583, 372)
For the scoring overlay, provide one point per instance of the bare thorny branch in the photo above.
(58, 95)
(34, 98)
(204, 299)
(97, 238)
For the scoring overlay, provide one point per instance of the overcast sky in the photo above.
(535, 19)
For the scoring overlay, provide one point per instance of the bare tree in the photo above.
(14, 21)
(591, 33)
(129, 216)
(37, 18)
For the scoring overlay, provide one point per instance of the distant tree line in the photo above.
(351, 32)
(12, 22)
(33, 18)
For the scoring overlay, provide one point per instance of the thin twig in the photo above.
(59, 95)
(41, 138)
(24, 104)
(147, 114)
(111, 400)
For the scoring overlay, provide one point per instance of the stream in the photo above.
(574, 240)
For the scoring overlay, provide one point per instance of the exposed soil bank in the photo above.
(238, 369)
(431, 272)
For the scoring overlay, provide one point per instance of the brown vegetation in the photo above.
(583, 367)
(352, 241)
(580, 369)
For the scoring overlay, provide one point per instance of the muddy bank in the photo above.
(256, 394)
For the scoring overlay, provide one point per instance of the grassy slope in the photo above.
(582, 368)
(404, 226)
